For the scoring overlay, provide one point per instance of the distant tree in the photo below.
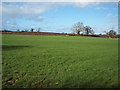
(18, 30)
(32, 29)
(78, 27)
(92, 32)
(5, 30)
(26, 30)
(88, 30)
(38, 30)
(112, 33)
(106, 33)
(22, 31)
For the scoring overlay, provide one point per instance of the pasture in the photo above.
(38, 61)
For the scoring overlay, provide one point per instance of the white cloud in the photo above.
(103, 8)
(84, 4)
(60, 1)
(8, 21)
(31, 11)
(14, 10)
(111, 18)
(35, 18)
(34, 10)
(109, 14)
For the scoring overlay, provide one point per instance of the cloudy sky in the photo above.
(59, 16)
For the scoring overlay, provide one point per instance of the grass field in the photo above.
(37, 61)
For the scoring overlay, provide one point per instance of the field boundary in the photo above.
(50, 33)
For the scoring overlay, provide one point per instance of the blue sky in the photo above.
(59, 17)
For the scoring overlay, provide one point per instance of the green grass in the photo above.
(59, 61)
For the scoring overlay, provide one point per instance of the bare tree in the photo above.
(5, 30)
(26, 30)
(106, 33)
(18, 30)
(78, 27)
(32, 29)
(38, 30)
(112, 33)
(88, 30)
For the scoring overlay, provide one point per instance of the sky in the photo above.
(59, 17)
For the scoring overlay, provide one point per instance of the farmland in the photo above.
(38, 61)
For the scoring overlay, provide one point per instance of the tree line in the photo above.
(26, 30)
(87, 30)
(78, 28)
